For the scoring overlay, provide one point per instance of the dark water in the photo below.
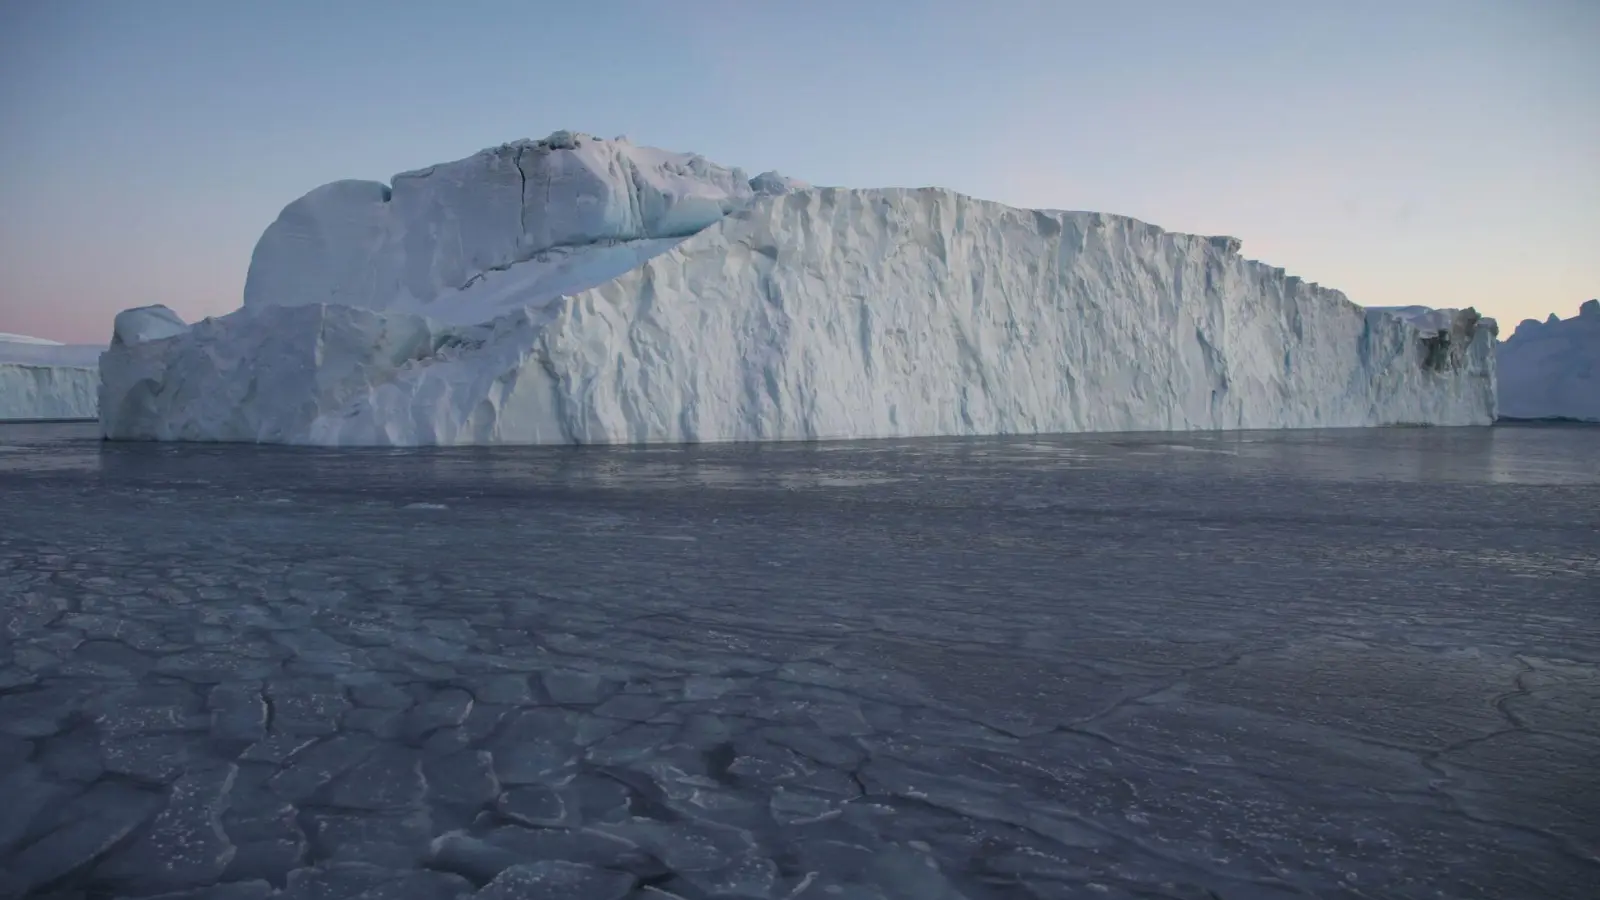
(1303, 664)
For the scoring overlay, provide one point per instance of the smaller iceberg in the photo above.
(1551, 369)
(41, 379)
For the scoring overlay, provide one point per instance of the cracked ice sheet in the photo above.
(931, 669)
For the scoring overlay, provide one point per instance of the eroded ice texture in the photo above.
(576, 290)
(1343, 665)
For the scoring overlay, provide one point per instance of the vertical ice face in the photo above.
(1552, 369)
(42, 379)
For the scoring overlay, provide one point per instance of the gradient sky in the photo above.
(1441, 152)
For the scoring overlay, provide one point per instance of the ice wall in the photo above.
(29, 391)
(824, 313)
(42, 379)
(1551, 369)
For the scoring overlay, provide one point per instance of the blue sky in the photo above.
(1443, 152)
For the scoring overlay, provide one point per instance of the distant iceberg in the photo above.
(42, 379)
(1551, 369)
(579, 290)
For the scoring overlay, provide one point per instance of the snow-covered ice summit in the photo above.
(581, 290)
(42, 379)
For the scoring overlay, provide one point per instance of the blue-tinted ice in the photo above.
(1336, 664)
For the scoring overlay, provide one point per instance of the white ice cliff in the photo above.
(42, 379)
(1551, 369)
(576, 290)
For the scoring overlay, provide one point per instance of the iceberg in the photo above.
(579, 290)
(42, 379)
(1551, 369)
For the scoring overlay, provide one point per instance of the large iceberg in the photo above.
(578, 290)
(1551, 369)
(41, 379)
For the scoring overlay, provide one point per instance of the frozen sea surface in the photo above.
(1357, 664)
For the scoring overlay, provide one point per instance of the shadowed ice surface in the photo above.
(1305, 664)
